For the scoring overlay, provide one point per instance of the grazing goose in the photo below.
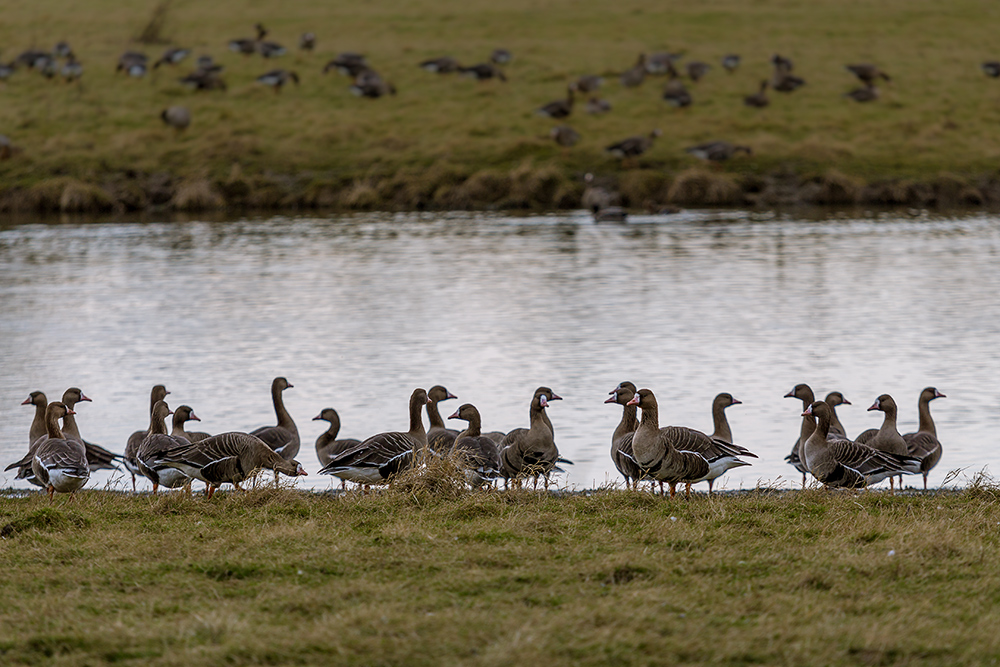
(621, 439)
(184, 414)
(284, 437)
(248, 46)
(730, 62)
(172, 56)
(439, 436)
(843, 463)
(376, 459)
(697, 70)
(887, 437)
(867, 72)
(132, 63)
(596, 106)
(277, 78)
(558, 109)
(924, 443)
(662, 62)
(368, 83)
(204, 79)
(348, 63)
(98, 458)
(328, 447)
(30, 57)
(156, 394)
(442, 65)
(564, 135)
(633, 146)
(675, 94)
(6, 70)
(71, 70)
(271, 49)
(759, 99)
(480, 453)
(501, 56)
(307, 41)
(868, 93)
(62, 49)
(177, 117)
(531, 451)
(227, 458)
(59, 464)
(991, 68)
(787, 83)
(206, 63)
(720, 424)
(157, 441)
(635, 75)
(717, 151)
(588, 83)
(483, 72)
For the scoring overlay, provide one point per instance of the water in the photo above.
(357, 311)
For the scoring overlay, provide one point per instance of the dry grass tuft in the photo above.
(197, 195)
(833, 187)
(644, 188)
(79, 197)
(442, 478)
(697, 186)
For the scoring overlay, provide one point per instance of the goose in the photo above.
(621, 439)
(675, 94)
(596, 196)
(697, 70)
(328, 447)
(869, 93)
(284, 437)
(46, 66)
(378, 458)
(156, 394)
(611, 214)
(501, 56)
(204, 79)
(531, 451)
(98, 458)
(248, 46)
(633, 146)
(62, 49)
(924, 443)
(30, 57)
(720, 425)
(439, 437)
(177, 117)
(157, 441)
(483, 72)
(804, 393)
(559, 108)
(6, 70)
(731, 62)
(564, 135)
(36, 434)
(662, 62)
(588, 83)
(991, 68)
(206, 63)
(307, 41)
(277, 78)
(759, 99)
(59, 464)
(635, 75)
(172, 56)
(781, 64)
(867, 72)
(480, 454)
(596, 106)
(133, 63)
(227, 458)
(717, 151)
(787, 83)
(843, 463)
(368, 83)
(271, 49)
(71, 70)
(348, 63)
(887, 437)
(183, 414)
(442, 65)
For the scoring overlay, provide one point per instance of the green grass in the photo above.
(938, 115)
(408, 577)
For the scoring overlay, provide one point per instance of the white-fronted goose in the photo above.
(72, 70)
(697, 70)
(381, 456)
(172, 56)
(531, 451)
(62, 49)
(633, 146)
(98, 458)
(924, 443)
(183, 414)
(271, 49)
(307, 41)
(328, 447)
(991, 68)
(558, 109)
(731, 62)
(887, 437)
(596, 106)
(843, 463)
(59, 464)
(867, 72)
(368, 83)
(248, 46)
(869, 93)
(635, 75)
(662, 62)
(347, 63)
(177, 117)
(804, 393)
(204, 79)
(717, 151)
(676, 94)
(835, 399)
(480, 453)
(483, 72)
(30, 57)
(36, 434)
(787, 83)
(588, 83)
(759, 99)
(6, 71)
(226, 458)
(284, 437)
(501, 56)
(564, 135)
(439, 437)
(720, 424)
(277, 78)
(156, 394)
(156, 442)
(442, 65)
(621, 439)
(781, 64)
(132, 63)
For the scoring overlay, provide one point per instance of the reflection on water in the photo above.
(356, 311)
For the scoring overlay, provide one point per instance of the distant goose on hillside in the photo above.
(72, 70)
(248, 46)
(869, 93)
(731, 62)
(597, 106)
(307, 41)
(633, 146)
(347, 63)
(588, 83)
(132, 63)
(177, 117)
(369, 84)
(867, 72)
(6, 70)
(635, 75)
(201, 79)
(271, 49)
(787, 83)
(62, 49)
(676, 94)
(277, 78)
(717, 151)
(172, 56)
(697, 70)
(559, 108)
(501, 56)
(991, 68)
(442, 65)
(662, 62)
(781, 64)
(483, 71)
(758, 99)
(564, 135)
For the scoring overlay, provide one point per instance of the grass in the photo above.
(317, 144)
(408, 577)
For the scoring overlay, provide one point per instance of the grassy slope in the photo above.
(616, 578)
(939, 114)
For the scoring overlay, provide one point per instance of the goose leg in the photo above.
(133, 483)
(155, 487)
(687, 491)
(51, 490)
(892, 489)
(803, 480)
(925, 481)
(710, 483)
(209, 491)
(673, 489)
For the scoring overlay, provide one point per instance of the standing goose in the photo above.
(559, 108)
(676, 94)
(36, 435)
(184, 414)
(697, 70)
(307, 41)
(833, 399)
(635, 75)
(717, 151)
(662, 62)
(247, 46)
(480, 453)
(132, 63)
(277, 78)
(843, 463)
(564, 135)
(720, 424)
(887, 437)
(991, 68)
(377, 458)
(621, 439)
(442, 65)
(924, 443)
(596, 106)
(157, 441)
(439, 437)
(225, 458)
(530, 451)
(98, 458)
(759, 99)
(787, 83)
(172, 56)
(283, 438)
(271, 49)
(804, 393)
(588, 83)
(549, 397)
(731, 62)
(158, 393)
(633, 146)
(328, 447)
(177, 117)
(348, 63)
(483, 71)
(867, 72)
(59, 464)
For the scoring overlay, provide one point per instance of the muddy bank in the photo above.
(526, 187)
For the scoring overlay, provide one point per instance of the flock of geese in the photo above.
(60, 460)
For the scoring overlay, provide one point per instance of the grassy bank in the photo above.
(410, 577)
(448, 142)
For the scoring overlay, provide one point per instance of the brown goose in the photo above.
(549, 396)
(483, 72)
(156, 442)
(843, 463)
(662, 62)
(596, 106)
(307, 41)
(731, 62)
(348, 63)
(246, 45)
(869, 93)
(635, 75)
(719, 422)
(442, 65)
(530, 451)
(559, 108)
(676, 94)
(834, 399)
(782, 64)
(98, 458)
(439, 437)
(501, 56)
(158, 393)
(759, 99)
(633, 146)
(867, 72)
(588, 83)
(479, 452)
(283, 438)
(787, 83)
(41, 402)
(717, 151)
(172, 56)
(621, 439)
(924, 443)
(887, 437)
(184, 414)
(804, 393)
(381, 456)
(328, 447)
(564, 135)
(277, 78)
(227, 458)
(177, 117)
(991, 68)
(59, 464)
(697, 70)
